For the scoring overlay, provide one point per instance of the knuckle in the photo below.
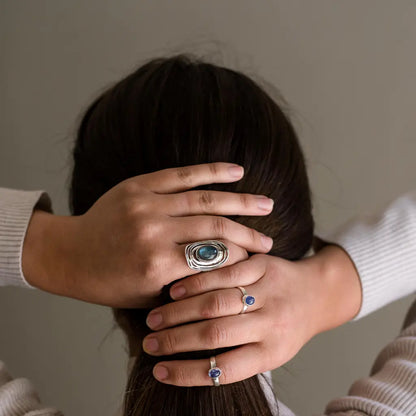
(131, 187)
(134, 209)
(198, 283)
(215, 335)
(184, 174)
(262, 260)
(254, 235)
(219, 226)
(168, 313)
(169, 342)
(149, 229)
(214, 168)
(215, 306)
(206, 200)
(232, 274)
(126, 210)
(258, 257)
(245, 200)
(181, 377)
(187, 201)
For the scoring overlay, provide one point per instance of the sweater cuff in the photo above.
(18, 397)
(383, 250)
(16, 208)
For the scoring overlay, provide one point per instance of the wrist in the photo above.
(340, 287)
(46, 249)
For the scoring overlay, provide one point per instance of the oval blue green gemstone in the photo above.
(214, 372)
(207, 252)
(250, 300)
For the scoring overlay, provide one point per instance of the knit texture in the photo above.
(16, 208)
(390, 390)
(382, 248)
(18, 397)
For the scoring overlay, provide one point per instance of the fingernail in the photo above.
(161, 373)
(236, 171)
(177, 291)
(150, 344)
(154, 319)
(267, 242)
(265, 203)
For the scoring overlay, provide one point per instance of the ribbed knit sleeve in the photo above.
(19, 398)
(383, 249)
(16, 209)
(390, 390)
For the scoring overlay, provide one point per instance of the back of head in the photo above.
(180, 111)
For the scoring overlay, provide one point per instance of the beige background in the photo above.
(348, 70)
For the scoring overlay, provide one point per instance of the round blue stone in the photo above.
(214, 372)
(250, 300)
(207, 252)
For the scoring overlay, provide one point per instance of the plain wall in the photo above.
(347, 69)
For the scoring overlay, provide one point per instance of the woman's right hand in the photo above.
(294, 301)
(131, 242)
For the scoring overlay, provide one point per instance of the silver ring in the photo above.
(247, 300)
(214, 372)
(206, 255)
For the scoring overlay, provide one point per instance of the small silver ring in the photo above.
(206, 255)
(214, 372)
(247, 300)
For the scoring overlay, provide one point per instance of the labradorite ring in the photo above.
(206, 255)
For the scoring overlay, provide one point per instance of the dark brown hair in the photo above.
(178, 111)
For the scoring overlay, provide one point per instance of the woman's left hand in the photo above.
(293, 302)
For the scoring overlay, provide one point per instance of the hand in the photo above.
(293, 302)
(131, 242)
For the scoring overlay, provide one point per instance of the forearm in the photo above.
(338, 287)
(49, 252)
(383, 247)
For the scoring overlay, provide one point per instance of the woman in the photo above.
(99, 141)
(174, 112)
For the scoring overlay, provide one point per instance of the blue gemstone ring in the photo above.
(206, 255)
(246, 299)
(214, 372)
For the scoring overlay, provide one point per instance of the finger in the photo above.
(205, 335)
(236, 365)
(206, 227)
(182, 178)
(178, 266)
(216, 202)
(224, 302)
(241, 273)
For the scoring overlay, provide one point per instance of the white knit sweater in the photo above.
(383, 248)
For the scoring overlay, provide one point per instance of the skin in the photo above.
(294, 302)
(99, 257)
(117, 253)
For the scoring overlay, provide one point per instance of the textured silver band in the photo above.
(243, 291)
(195, 259)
